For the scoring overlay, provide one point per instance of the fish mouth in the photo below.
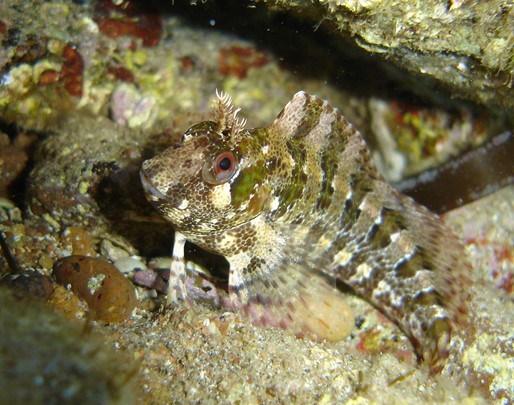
(151, 191)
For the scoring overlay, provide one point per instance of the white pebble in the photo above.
(129, 264)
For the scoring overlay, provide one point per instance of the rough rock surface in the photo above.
(465, 45)
(47, 360)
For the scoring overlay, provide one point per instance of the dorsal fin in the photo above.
(307, 116)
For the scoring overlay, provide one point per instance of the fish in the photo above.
(298, 209)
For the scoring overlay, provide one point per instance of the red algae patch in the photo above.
(128, 19)
(237, 60)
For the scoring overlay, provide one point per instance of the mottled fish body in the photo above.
(296, 207)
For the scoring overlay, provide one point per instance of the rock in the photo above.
(78, 241)
(13, 159)
(109, 295)
(86, 178)
(465, 46)
(129, 264)
(45, 359)
(31, 283)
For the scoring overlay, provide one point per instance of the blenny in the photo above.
(298, 207)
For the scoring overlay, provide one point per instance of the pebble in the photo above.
(329, 318)
(129, 264)
(111, 251)
(78, 241)
(29, 282)
(109, 295)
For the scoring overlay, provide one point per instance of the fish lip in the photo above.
(151, 190)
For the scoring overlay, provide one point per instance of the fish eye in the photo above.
(221, 168)
(225, 164)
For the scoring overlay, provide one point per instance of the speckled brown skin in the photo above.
(299, 204)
